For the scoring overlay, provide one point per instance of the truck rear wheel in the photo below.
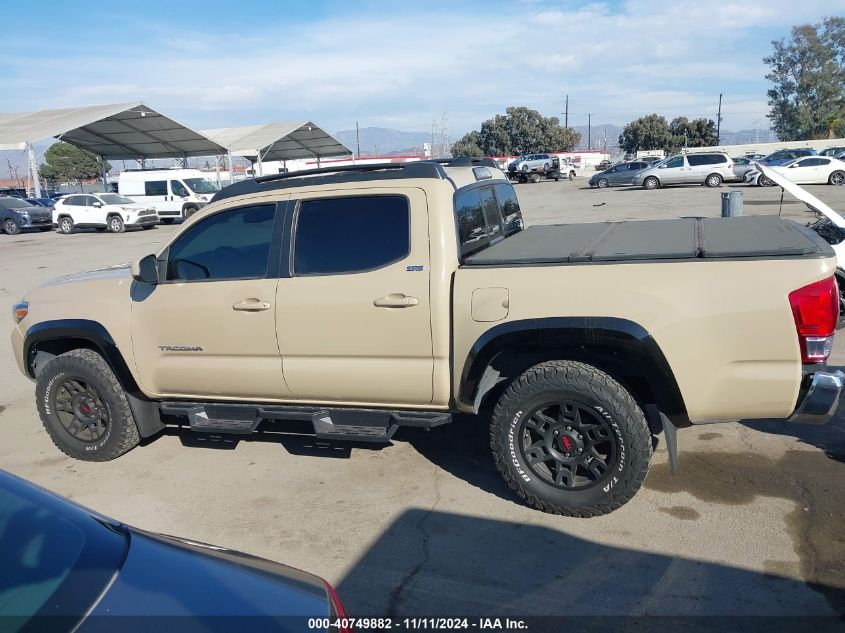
(84, 408)
(570, 440)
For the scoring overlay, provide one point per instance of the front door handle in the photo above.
(251, 305)
(396, 300)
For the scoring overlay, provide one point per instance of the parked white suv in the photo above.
(699, 168)
(101, 211)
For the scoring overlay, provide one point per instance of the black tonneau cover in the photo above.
(764, 236)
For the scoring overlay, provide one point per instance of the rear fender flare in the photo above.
(608, 342)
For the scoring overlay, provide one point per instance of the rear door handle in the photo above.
(251, 305)
(396, 300)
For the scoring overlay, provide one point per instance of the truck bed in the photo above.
(682, 239)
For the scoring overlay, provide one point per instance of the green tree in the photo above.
(68, 163)
(696, 133)
(808, 72)
(519, 131)
(646, 133)
(469, 145)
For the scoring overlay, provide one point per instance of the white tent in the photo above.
(278, 141)
(114, 131)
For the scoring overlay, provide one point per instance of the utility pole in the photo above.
(566, 113)
(433, 134)
(444, 134)
(719, 121)
(589, 132)
(357, 141)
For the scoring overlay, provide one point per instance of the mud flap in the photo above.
(670, 435)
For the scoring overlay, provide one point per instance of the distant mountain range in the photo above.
(381, 141)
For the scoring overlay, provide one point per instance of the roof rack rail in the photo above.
(426, 172)
(331, 175)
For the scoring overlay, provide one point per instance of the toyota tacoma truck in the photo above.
(371, 298)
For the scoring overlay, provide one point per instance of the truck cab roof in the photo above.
(460, 172)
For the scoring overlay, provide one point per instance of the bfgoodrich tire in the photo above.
(84, 408)
(570, 440)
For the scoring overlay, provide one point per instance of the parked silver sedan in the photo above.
(741, 166)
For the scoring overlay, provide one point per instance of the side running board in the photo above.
(356, 425)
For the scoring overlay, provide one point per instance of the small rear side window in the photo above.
(717, 159)
(350, 235)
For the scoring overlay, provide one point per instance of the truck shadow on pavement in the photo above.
(429, 562)
(810, 481)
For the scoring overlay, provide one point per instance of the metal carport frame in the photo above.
(278, 141)
(115, 131)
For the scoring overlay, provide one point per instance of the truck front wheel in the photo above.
(84, 408)
(570, 440)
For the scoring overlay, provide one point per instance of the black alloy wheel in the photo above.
(569, 445)
(80, 410)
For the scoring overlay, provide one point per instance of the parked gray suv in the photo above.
(530, 162)
(700, 168)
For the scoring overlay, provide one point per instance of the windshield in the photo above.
(14, 203)
(57, 558)
(201, 185)
(113, 198)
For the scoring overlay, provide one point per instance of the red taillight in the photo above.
(815, 309)
(338, 610)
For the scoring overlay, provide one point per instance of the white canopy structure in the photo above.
(114, 131)
(122, 131)
(278, 141)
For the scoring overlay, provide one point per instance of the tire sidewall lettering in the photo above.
(48, 396)
(512, 451)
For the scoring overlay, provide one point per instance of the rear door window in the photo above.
(697, 160)
(351, 234)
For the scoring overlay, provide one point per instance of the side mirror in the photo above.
(98, 204)
(145, 270)
(662, 167)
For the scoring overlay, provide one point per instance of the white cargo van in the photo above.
(175, 193)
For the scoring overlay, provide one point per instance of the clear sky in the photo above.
(398, 64)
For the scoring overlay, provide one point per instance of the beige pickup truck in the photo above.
(378, 297)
